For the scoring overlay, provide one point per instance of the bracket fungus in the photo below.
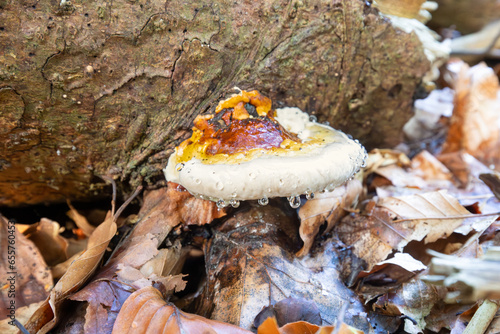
(248, 151)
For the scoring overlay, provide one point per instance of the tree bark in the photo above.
(90, 88)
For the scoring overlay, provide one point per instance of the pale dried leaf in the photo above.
(395, 221)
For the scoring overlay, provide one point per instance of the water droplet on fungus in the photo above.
(263, 201)
(294, 201)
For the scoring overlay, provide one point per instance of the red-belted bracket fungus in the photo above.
(248, 151)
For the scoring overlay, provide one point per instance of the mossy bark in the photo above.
(105, 87)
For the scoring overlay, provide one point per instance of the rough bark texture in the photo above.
(110, 87)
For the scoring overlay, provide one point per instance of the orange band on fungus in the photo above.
(241, 123)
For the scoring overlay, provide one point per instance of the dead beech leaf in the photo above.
(146, 310)
(327, 207)
(28, 271)
(395, 221)
(270, 326)
(44, 319)
(251, 264)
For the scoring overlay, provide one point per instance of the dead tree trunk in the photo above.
(110, 87)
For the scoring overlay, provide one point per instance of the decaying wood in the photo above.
(110, 87)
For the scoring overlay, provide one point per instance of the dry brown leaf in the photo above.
(425, 172)
(251, 264)
(270, 326)
(159, 214)
(79, 220)
(44, 319)
(395, 221)
(146, 310)
(26, 279)
(475, 121)
(45, 235)
(327, 207)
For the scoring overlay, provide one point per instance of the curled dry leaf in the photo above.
(28, 277)
(270, 326)
(395, 221)
(327, 207)
(77, 274)
(146, 310)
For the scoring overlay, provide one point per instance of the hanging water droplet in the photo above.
(179, 166)
(330, 187)
(221, 204)
(294, 201)
(234, 203)
(313, 118)
(363, 164)
(263, 201)
(219, 185)
(326, 123)
(309, 195)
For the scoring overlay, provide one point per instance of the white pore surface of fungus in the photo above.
(292, 173)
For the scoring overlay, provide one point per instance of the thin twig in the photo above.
(127, 202)
(113, 199)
